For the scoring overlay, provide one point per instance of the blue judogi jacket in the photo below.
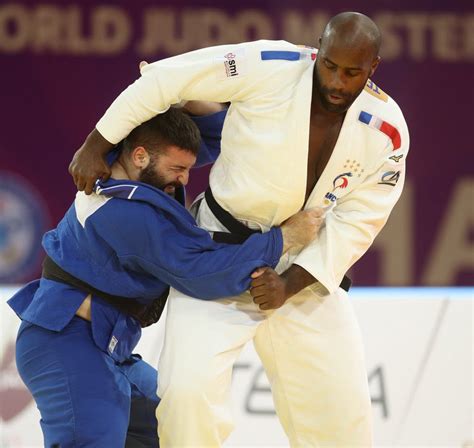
(133, 240)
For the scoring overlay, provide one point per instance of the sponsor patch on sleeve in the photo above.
(231, 65)
(396, 159)
(389, 178)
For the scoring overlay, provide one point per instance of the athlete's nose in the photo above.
(338, 81)
(184, 178)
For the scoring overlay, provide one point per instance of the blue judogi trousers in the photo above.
(85, 398)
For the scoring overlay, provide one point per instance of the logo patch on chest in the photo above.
(390, 178)
(341, 181)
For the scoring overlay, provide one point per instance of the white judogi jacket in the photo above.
(260, 176)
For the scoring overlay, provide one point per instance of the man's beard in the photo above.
(150, 177)
(324, 92)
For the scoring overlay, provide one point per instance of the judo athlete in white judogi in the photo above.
(304, 129)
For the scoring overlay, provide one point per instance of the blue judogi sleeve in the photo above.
(210, 127)
(175, 251)
(140, 240)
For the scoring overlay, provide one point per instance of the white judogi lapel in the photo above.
(345, 151)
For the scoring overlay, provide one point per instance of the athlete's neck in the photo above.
(119, 170)
(321, 114)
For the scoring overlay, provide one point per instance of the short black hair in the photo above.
(171, 128)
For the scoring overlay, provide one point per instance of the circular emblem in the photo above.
(22, 224)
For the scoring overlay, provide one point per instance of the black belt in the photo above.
(240, 232)
(144, 314)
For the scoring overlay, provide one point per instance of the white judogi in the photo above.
(310, 347)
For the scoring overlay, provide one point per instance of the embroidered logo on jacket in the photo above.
(396, 158)
(340, 181)
(390, 178)
(230, 65)
(234, 64)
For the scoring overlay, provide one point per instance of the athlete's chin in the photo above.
(337, 108)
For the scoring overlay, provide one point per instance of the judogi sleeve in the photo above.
(177, 252)
(352, 225)
(210, 127)
(222, 74)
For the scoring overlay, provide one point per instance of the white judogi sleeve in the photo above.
(221, 74)
(352, 225)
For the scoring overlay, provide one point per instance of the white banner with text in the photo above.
(419, 349)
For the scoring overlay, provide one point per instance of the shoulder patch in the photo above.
(382, 126)
(374, 90)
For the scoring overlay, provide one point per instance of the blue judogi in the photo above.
(131, 240)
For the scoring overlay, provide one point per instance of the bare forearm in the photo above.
(97, 144)
(270, 290)
(296, 279)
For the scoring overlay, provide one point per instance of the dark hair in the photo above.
(173, 127)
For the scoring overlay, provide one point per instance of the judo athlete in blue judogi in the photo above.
(108, 268)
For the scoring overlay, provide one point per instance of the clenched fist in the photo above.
(89, 163)
(268, 289)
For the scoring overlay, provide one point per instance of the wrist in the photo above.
(296, 278)
(284, 235)
(287, 289)
(97, 143)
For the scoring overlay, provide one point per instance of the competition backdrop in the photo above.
(62, 63)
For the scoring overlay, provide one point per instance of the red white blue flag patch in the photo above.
(382, 126)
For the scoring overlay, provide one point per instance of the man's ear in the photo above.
(140, 157)
(375, 64)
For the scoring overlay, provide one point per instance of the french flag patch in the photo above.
(382, 126)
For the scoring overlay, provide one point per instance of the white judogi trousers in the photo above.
(311, 349)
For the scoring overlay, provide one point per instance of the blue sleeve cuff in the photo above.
(277, 246)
